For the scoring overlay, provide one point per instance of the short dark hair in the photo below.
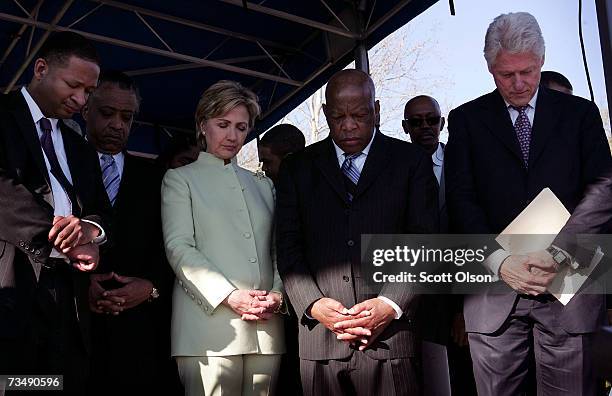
(550, 76)
(60, 46)
(283, 139)
(120, 79)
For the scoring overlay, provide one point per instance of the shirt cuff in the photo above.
(59, 255)
(495, 260)
(396, 308)
(100, 239)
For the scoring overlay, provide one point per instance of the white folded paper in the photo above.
(534, 229)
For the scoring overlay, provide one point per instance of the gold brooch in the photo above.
(259, 173)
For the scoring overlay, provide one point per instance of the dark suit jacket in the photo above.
(319, 229)
(487, 185)
(130, 348)
(592, 216)
(26, 212)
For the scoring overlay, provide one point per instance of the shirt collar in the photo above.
(35, 110)
(117, 157)
(365, 151)
(532, 102)
(438, 156)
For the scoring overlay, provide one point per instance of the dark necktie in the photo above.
(351, 173)
(46, 142)
(522, 127)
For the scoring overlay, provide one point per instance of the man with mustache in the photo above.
(131, 329)
(423, 122)
(51, 211)
(352, 341)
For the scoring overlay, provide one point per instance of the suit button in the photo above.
(247, 235)
(199, 302)
(253, 260)
(181, 282)
(21, 244)
(346, 278)
(37, 253)
(350, 242)
(192, 296)
(206, 309)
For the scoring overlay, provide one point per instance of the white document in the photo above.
(534, 229)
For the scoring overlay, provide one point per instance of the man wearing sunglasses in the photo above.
(423, 122)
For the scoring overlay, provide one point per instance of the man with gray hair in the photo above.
(503, 149)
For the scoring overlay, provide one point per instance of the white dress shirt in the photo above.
(359, 162)
(437, 158)
(61, 203)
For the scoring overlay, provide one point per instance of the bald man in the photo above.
(357, 181)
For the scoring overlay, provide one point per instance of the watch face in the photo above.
(559, 257)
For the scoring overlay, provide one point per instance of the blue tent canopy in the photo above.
(283, 50)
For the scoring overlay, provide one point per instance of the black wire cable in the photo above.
(451, 4)
(584, 59)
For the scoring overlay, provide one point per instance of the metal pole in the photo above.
(40, 43)
(362, 61)
(604, 19)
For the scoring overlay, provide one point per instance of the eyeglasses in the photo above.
(415, 122)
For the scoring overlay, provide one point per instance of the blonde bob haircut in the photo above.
(221, 97)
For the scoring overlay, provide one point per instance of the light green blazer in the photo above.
(218, 226)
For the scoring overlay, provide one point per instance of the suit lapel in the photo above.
(23, 118)
(544, 123)
(126, 176)
(375, 162)
(498, 120)
(327, 162)
(441, 188)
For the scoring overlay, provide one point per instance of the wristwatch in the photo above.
(154, 294)
(558, 255)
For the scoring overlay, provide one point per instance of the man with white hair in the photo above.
(503, 149)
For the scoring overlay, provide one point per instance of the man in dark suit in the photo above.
(357, 181)
(503, 149)
(132, 328)
(277, 143)
(50, 217)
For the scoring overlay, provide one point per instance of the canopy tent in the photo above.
(283, 50)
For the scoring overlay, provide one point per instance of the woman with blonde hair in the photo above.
(227, 334)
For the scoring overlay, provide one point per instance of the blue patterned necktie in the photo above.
(110, 176)
(522, 127)
(351, 172)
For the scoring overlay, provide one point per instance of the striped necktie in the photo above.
(110, 176)
(351, 172)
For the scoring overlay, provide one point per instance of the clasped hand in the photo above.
(72, 236)
(253, 304)
(529, 274)
(134, 291)
(361, 324)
